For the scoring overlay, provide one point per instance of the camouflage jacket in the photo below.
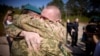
(52, 32)
(44, 27)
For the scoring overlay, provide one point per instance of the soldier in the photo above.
(21, 46)
(49, 28)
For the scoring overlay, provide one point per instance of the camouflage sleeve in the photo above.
(63, 33)
(13, 31)
(28, 23)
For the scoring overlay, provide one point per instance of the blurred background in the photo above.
(70, 9)
(84, 10)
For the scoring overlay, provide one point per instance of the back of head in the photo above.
(68, 21)
(52, 13)
(76, 20)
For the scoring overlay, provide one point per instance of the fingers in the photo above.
(33, 41)
(38, 39)
(36, 42)
(29, 44)
(34, 45)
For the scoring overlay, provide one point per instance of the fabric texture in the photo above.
(53, 35)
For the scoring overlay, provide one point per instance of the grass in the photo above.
(82, 19)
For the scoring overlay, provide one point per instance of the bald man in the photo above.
(52, 13)
(49, 29)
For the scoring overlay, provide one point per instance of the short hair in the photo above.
(52, 8)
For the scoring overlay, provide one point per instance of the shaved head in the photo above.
(52, 13)
(76, 20)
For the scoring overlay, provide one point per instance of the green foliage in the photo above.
(17, 10)
(82, 19)
(77, 7)
(60, 5)
(83, 7)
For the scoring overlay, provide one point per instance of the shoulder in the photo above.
(15, 16)
(21, 16)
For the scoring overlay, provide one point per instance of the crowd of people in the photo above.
(40, 33)
(90, 36)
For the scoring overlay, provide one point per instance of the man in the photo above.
(69, 27)
(7, 21)
(96, 39)
(23, 46)
(90, 44)
(49, 28)
(75, 32)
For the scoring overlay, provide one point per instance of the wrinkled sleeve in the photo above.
(13, 31)
(28, 23)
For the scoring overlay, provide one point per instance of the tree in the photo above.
(3, 9)
(60, 5)
(76, 7)
(83, 7)
(94, 7)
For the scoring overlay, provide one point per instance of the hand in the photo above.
(72, 31)
(33, 40)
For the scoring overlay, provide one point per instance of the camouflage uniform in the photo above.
(53, 34)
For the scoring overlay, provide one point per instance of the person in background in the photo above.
(96, 38)
(97, 41)
(90, 42)
(75, 32)
(69, 28)
(7, 21)
(8, 18)
(97, 48)
(84, 35)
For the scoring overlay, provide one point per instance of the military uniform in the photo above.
(53, 34)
